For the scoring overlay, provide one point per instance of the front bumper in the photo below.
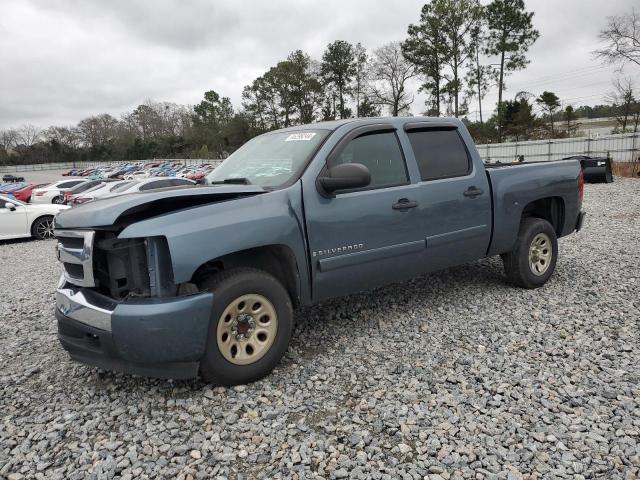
(159, 337)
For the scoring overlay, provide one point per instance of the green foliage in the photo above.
(550, 103)
(424, 47)
(510, 34)
(570, 118)
(338, 68)
(441, 47)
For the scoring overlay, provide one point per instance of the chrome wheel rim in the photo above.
(247, 329)
(540, 254)
(44, 229)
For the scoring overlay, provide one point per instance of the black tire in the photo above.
(516, 263)
(228, 286)
(42, 227)
(58, 200)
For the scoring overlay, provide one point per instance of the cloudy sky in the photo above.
(61, 61)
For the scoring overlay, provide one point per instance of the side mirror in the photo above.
(344, 177)
(10, 206)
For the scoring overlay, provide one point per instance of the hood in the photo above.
(133, 207)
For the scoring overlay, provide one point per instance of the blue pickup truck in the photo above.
(204, 280)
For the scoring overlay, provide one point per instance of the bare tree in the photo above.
(622, 39)
(66, 136)
(623, 100)
(98, 130)
(390, 73)
(28, 135)
(8, 138)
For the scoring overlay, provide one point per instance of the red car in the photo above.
(23, 193)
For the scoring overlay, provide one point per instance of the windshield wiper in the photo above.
(233, 181)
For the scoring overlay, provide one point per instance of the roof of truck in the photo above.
(334, 124)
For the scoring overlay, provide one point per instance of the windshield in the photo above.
(270, 160)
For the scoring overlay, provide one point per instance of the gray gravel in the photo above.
(453, 375)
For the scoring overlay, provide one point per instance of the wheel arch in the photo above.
(551, 209)
(277, 260)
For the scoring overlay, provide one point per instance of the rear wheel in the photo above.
(42, 228)
(251, 325)
(533, 259)
(59, 200)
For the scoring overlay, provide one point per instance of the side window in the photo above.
(150, 186)
(440, 153)
(69, 184)
(178, 182)
(381, 154)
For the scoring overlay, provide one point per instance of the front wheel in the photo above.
(534, 257)
(251, 325)
(42, 228)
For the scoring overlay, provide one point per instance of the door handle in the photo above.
(473, 192)
(404, 203)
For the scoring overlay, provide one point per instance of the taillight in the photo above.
(39, 194)
(581, 186)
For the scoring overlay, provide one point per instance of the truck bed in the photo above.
(515, 186)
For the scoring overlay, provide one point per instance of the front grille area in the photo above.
(117, 268)
(120, 266)
(75, 251)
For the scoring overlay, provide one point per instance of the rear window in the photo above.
(440, 153)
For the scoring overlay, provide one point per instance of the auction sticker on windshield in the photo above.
(302, 136)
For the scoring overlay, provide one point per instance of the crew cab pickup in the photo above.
(182, 281)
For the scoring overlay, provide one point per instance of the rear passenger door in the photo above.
(454, 196)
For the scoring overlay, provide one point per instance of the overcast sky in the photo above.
(61, 61)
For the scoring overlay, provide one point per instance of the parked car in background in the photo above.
(136, 175)
(21, 190)
(8, 178)
(19, 219)
(81, 188)
(147, 184)
(100, 191)
(54, 193)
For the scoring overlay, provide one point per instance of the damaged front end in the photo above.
(118, 307)
(132, 267)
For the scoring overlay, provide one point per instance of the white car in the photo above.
(18, 219)
(54, 193)
(136, 175)
(100, 191)
(146, 184)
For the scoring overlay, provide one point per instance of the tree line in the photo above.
(457, 51)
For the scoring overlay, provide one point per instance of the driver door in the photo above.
(13, 223)
(367, 237)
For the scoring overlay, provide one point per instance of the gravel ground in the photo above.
(453, 375)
